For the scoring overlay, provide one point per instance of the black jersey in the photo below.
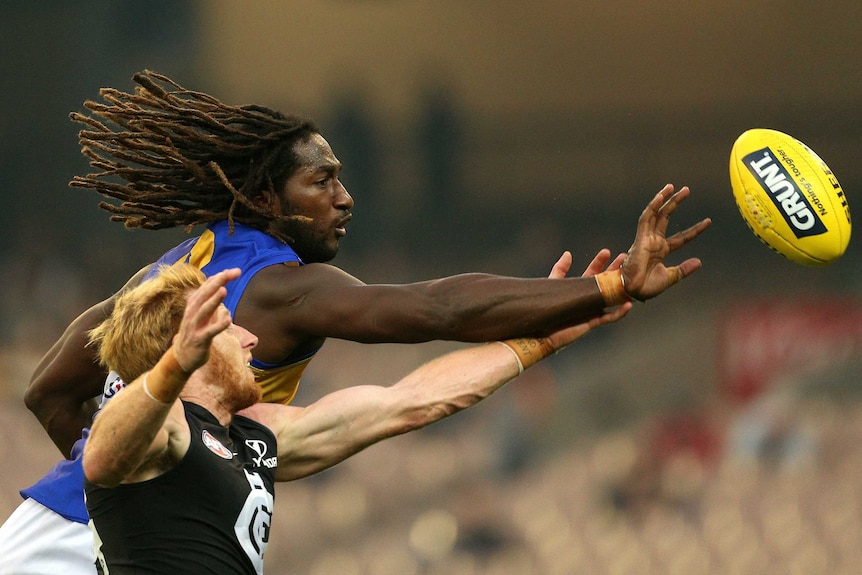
(209, 514)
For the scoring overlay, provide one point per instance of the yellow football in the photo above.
(789, 197)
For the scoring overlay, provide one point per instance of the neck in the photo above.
(207, 396)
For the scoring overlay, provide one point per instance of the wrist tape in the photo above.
(169, 376)
(613, 287)
(529, 350)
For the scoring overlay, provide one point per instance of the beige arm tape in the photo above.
(529, 350)
(169, 376)
(613, 287)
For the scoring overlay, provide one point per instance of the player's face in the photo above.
(230, 355)
(315, 193)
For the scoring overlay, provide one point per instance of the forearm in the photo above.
(534, 307)
(131, 427)
(487, 308)
(452, 383)
(347, 421)
(467, 307)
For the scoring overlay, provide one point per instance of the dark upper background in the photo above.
(475, 136)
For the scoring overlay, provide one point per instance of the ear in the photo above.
(267, 201)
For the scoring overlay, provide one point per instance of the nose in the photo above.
(247, 339)
(343, 199)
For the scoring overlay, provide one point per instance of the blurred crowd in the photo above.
(563, 515)
(711, 487)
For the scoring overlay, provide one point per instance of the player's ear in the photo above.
(267, 200)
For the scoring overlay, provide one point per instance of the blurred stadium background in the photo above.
(716, 430)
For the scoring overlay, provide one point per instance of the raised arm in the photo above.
(345, 422)
(142, 432)
(65, 383)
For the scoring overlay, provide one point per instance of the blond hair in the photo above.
(144, 321)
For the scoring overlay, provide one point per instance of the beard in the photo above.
(309, 242)
(239, 389)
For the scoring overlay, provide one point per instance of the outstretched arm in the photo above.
(65, 383)
(345, 422)
(288, 307)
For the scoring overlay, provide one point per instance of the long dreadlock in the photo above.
(186, 158)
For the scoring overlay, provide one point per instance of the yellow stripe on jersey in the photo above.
(279, 384)
(203, 250)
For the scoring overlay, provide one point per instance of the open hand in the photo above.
(204, 318)
(644, 272)
(564, 337)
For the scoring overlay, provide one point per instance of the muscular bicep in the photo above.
(316, 437)
(64, 384)
(129, 443)
(62, 390)
(293, 306)
(70, 369)
(167, 449)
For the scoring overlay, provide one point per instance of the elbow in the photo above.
(423, 417)
(47, 401)
(421, 410)
(35, 400)
(98, 469)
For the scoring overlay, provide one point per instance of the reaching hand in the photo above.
(204, 318)
(564, 337)
(644, 272)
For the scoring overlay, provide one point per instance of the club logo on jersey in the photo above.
(254, 520)
(215, 445)
(775, 180)
(113, 385)
(259, 447)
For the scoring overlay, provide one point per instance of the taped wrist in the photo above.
(529, 350)
(169, 377)
(149, 393)
(613, 287)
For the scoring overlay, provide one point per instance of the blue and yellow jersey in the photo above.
(250, 250)
(62, 488)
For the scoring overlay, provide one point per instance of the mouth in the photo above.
(341, 225)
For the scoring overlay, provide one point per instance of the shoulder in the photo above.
(249, 424)
(277, 280)
(270, 416)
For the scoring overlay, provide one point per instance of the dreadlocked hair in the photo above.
(175, 157)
